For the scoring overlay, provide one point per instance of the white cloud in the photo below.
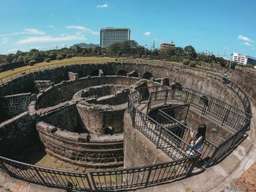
(248, 44)
(27, 31)
(33, 31)
(105, 5)
(147, 33)
(49, 39)
(245, 39)
(83, 29)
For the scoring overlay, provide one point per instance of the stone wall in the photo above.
(97, 118)
(138, 150)
(215, 133)
(66, 118)
(15, 104)
(17, 134)
(64, 91)
(194, 79)
(76, 148)
(25, 82)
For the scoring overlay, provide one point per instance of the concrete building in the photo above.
(109, 36)
(243, 59)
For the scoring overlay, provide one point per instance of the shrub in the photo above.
(192, 64)
(59, 57)
(32, 62)
(47, 60)
(186, 61)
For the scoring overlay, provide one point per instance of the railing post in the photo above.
(159, 137)
(90, 181)
(40, 176)
(156, 93)
(187, 112)
(92, 184)
(148, 177)
(166, 96)
(193, 163)
(133, 116)
(186, 98)
(149, 104)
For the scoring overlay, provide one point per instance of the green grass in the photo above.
(54, 64)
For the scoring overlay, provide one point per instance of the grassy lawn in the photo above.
(7, 75)
(53, 64)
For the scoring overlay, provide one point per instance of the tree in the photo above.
(20, 59)
(126, 47)
(190, 51)
(179, 51)
(155, 52)
(10, 58)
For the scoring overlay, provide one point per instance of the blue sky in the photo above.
(219, 26)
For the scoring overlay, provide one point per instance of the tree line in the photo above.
(186, 55)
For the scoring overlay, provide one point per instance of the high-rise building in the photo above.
(109, 36)
(243, 59)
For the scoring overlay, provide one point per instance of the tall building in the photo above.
(243, 59)
(109, 36)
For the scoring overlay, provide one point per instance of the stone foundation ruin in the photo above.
(128, 125)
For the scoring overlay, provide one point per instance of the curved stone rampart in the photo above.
(206, 82)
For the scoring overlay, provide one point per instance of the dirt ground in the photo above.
(247, 182)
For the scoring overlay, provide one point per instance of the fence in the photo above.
(234, 119)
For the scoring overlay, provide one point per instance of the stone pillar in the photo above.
(72, 76)
(42, 85)
(92, 119)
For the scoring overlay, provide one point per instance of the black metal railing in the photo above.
(134, 178)
(232, 118)
(46, 176)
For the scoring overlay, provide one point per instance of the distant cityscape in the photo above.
(243, 59)
(111, 35)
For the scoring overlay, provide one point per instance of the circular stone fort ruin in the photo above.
(127, 125)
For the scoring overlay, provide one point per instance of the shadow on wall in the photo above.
(122, 72)
(17, 134)
(147, 75)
